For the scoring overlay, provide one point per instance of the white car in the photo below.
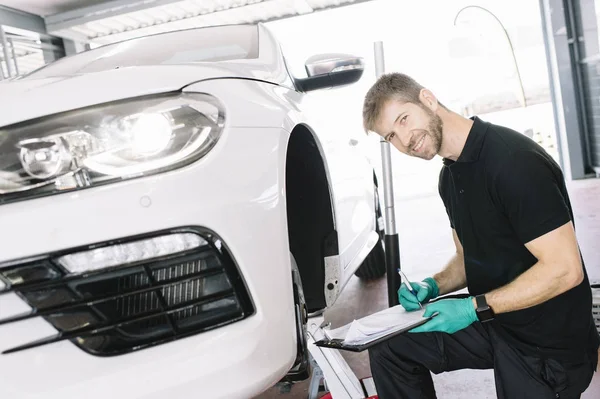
(158, 198)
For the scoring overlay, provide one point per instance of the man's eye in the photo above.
(404, 118)
(390, 136)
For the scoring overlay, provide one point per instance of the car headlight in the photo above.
(107, 143)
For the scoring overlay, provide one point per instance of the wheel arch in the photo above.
(311, 215)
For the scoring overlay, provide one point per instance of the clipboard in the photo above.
(338, 343)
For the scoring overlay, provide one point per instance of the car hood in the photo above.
(32, 98)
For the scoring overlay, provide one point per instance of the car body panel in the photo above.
(42, 93)
(237, 190)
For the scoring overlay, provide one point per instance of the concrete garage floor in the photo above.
(425, 245)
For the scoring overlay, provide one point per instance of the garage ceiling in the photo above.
(49, 7)
(101, 22)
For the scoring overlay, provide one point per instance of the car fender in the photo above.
(255, 104)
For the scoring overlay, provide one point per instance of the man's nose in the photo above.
(406, 139)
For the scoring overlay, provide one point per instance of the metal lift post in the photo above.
(392, 247)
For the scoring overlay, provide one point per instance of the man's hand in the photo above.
(426, 291)
(454, 315)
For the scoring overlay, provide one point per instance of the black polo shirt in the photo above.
(502, 192)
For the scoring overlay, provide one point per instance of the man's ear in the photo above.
(428, 99)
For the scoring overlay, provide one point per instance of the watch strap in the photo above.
(481, 302)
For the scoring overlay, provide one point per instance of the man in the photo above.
(528, 311)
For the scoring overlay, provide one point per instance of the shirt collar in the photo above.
(472, 148)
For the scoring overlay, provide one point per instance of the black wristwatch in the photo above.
(484, 312)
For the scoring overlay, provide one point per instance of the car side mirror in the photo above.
(326, 71)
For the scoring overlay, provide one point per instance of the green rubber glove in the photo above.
(454, 315)
(426, 291)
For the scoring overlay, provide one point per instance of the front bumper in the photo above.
(228, 192)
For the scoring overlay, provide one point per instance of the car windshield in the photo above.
(212, 44)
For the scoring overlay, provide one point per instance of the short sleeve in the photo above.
(530, 190)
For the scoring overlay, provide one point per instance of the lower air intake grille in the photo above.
(110, 311)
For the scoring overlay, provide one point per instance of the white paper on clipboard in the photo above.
(376, 325)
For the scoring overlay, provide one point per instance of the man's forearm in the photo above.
(537, 285)
(452, 277)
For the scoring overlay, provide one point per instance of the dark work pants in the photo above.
(401, 365)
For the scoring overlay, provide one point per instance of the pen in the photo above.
(407, 284)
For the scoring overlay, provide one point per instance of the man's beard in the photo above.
(435, 128)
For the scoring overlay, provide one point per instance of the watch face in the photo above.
(485, 314)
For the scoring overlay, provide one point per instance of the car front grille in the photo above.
(115, 310)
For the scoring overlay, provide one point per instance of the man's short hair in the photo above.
(389, 86)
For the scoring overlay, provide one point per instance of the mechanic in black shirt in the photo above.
(527, 313)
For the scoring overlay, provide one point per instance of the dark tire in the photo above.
(374, 266)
